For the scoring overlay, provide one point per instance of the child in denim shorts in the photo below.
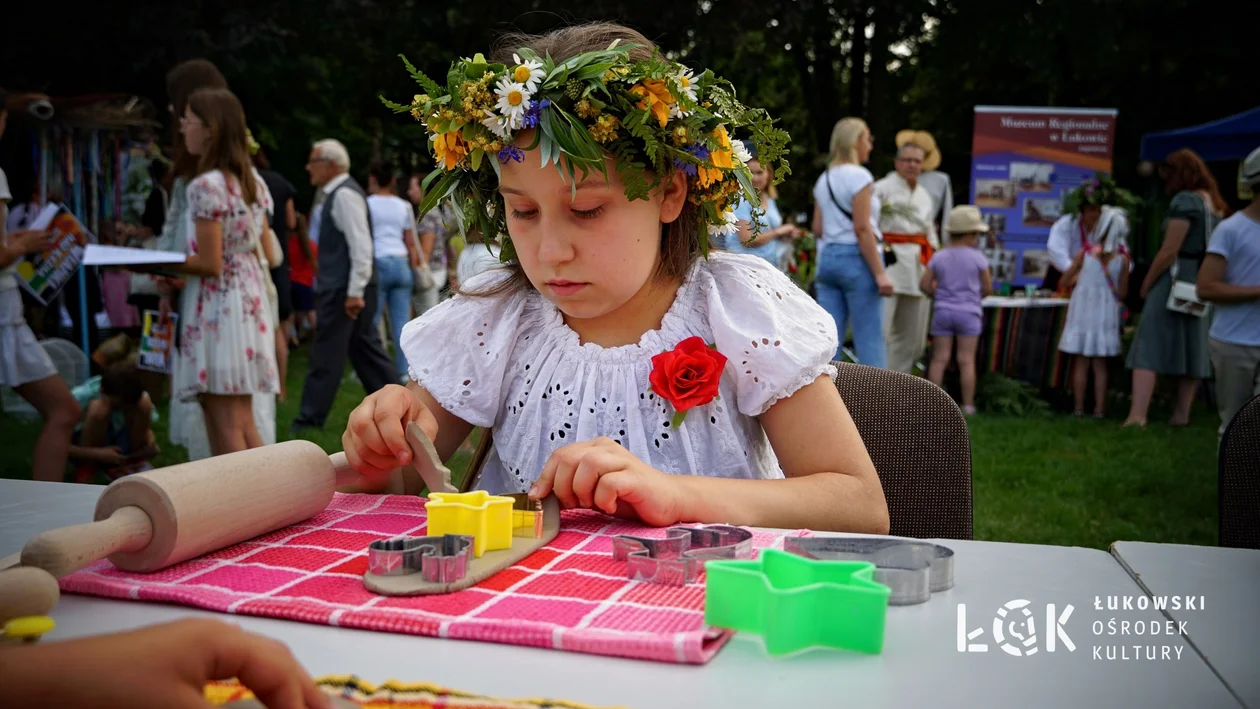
(959, 277)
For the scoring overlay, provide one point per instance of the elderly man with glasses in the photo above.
(345, 292)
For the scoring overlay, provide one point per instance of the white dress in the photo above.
(511, 363)
(1092, 328)
(22, 358)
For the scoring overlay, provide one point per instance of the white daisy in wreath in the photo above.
(513, 101)
(729, 225)
(687, 84)
(529, 72)
(740, 152)
(496, 124)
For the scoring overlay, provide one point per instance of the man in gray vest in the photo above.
(345, 288)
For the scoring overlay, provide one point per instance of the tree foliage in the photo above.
(316, 69)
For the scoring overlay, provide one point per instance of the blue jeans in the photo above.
(393, 283)
(846, 289)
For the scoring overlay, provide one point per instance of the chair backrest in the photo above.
(1238, 482)
(918, 440)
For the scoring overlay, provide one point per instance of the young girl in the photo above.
(1099, 279)
(227, 346)
(303, 260)
(959, 277)
(617, 366)
(773, 242)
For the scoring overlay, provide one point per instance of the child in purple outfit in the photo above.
(958, 276)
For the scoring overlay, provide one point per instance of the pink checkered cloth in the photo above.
(569, 595)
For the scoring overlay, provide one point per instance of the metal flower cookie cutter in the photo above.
(677, 559)
(912, 570)
(440, 559)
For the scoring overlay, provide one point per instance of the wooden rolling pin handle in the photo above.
(27, 591)
(346, 475)
(64, 551)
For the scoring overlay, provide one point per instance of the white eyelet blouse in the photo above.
(510, 363)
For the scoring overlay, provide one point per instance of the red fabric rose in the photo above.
(687, 376)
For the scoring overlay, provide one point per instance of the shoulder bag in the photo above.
(890, 256)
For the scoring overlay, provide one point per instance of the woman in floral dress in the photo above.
(227, 346)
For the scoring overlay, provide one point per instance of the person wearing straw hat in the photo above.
(906, 221)
(1230, 278)
(933, 180)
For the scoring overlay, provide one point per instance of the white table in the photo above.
(28, 508)
(920, 665)
(1225, 627)
(1021, 301)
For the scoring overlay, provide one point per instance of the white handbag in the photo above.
(422, 279)
(1183, 296)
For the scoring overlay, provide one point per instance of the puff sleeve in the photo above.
(776, 338)
(208, 197)
(458, 351)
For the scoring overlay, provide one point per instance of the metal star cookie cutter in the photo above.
(440, 559)
(677, 559)
(912, 570)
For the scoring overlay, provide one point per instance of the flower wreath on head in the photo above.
(1103, 191)
(1100, 191)
(653, 116)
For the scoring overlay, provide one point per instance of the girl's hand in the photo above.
(1146, 288)
(162, 666)
(375, 440)
(111, 456)
(602, 475)
(31, 241)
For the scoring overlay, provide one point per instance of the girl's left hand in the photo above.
(600, 474)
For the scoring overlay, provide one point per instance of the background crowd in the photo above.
(891, 259)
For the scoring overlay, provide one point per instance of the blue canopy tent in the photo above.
(1230, 138)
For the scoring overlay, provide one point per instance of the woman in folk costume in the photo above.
(1094, 230)
(936, 182)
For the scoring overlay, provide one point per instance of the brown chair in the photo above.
(918, 440)
(1238, 481)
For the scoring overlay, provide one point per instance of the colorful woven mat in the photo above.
(569, 595)
(394, 695)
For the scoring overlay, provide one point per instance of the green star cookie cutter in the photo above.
(795, 603)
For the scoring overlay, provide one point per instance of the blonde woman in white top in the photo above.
(851, 282)
(396, 252)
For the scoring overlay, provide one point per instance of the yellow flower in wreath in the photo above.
(449, 148)
(656, 98)
(719, 158)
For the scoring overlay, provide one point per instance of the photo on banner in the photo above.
(1024, 161)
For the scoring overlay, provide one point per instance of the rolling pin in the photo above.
(149, 521)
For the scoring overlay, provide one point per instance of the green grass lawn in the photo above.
(1054, 480)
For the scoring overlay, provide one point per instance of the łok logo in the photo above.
(1015, 629)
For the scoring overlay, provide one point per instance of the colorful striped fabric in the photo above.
(569, 595)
